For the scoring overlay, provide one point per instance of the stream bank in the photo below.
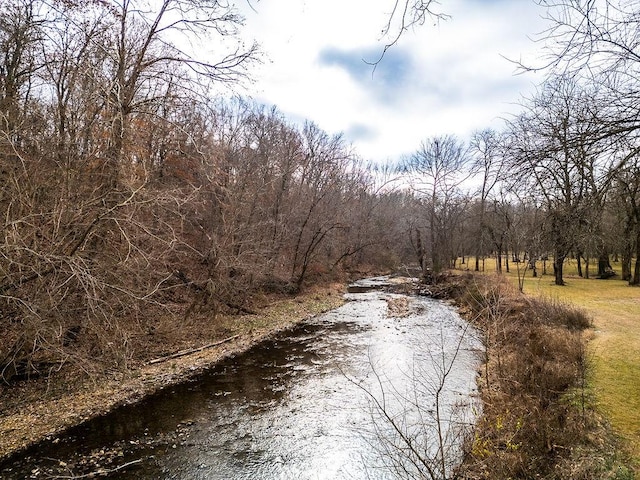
(304, 404)
(539, 417)
(32, 411)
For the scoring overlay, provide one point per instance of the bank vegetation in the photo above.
(140, 207)
(539, 418)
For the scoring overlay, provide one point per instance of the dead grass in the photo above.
(538, 419)
(33, 410)
(614, 347)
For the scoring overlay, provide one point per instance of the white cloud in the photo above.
(448, 78)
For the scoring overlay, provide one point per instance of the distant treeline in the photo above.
(129, 191)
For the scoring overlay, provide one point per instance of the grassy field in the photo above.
(615, 344)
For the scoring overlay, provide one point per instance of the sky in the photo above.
(447, 77)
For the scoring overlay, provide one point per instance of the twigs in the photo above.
(99, 472)
(182, 353)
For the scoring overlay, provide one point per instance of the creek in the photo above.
(332, 398)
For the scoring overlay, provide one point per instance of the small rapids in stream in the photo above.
(330, 399)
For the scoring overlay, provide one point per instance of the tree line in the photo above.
(561, 178)
(131, 192)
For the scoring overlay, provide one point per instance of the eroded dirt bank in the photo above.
(34, 410)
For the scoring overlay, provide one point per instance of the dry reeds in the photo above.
(535, 414)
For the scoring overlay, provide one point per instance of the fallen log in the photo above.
(182, 353)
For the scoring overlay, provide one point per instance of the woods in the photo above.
(137, 193)
(131, 190)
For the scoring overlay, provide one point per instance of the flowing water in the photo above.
(332, 399)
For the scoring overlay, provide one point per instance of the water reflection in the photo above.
(297, 407)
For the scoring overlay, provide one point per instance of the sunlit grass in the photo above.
(615, 344)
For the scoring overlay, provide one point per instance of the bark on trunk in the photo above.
(558, 264)
(420, 252)
(604, 266)
(586, 267)
(626, 266)
(635, 280)
(579, 258)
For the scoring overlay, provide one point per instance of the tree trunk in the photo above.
(579, 259)
(604, 266)
(626, 265)
(635, 280)
(586, 267)
(420, 252)
(558, 264)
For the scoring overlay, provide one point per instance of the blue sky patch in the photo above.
(391, 72)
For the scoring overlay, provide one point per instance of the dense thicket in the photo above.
(128, 194)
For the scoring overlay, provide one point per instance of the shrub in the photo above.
(535, 360)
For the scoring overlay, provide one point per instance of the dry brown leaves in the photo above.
(42, 410)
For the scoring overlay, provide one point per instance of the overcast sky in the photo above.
(444, 78)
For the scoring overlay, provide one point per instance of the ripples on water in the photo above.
(302, 406)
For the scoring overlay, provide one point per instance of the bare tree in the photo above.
(405, 15)
(499, 223)
(554, 152)
(590, 37)
(20, 32)
(486, 148)
(596, 43)
(143, 59)
(437, 170)
(326, 161)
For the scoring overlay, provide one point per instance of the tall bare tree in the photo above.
(437, 170)
(487, 149)
(555, 152)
